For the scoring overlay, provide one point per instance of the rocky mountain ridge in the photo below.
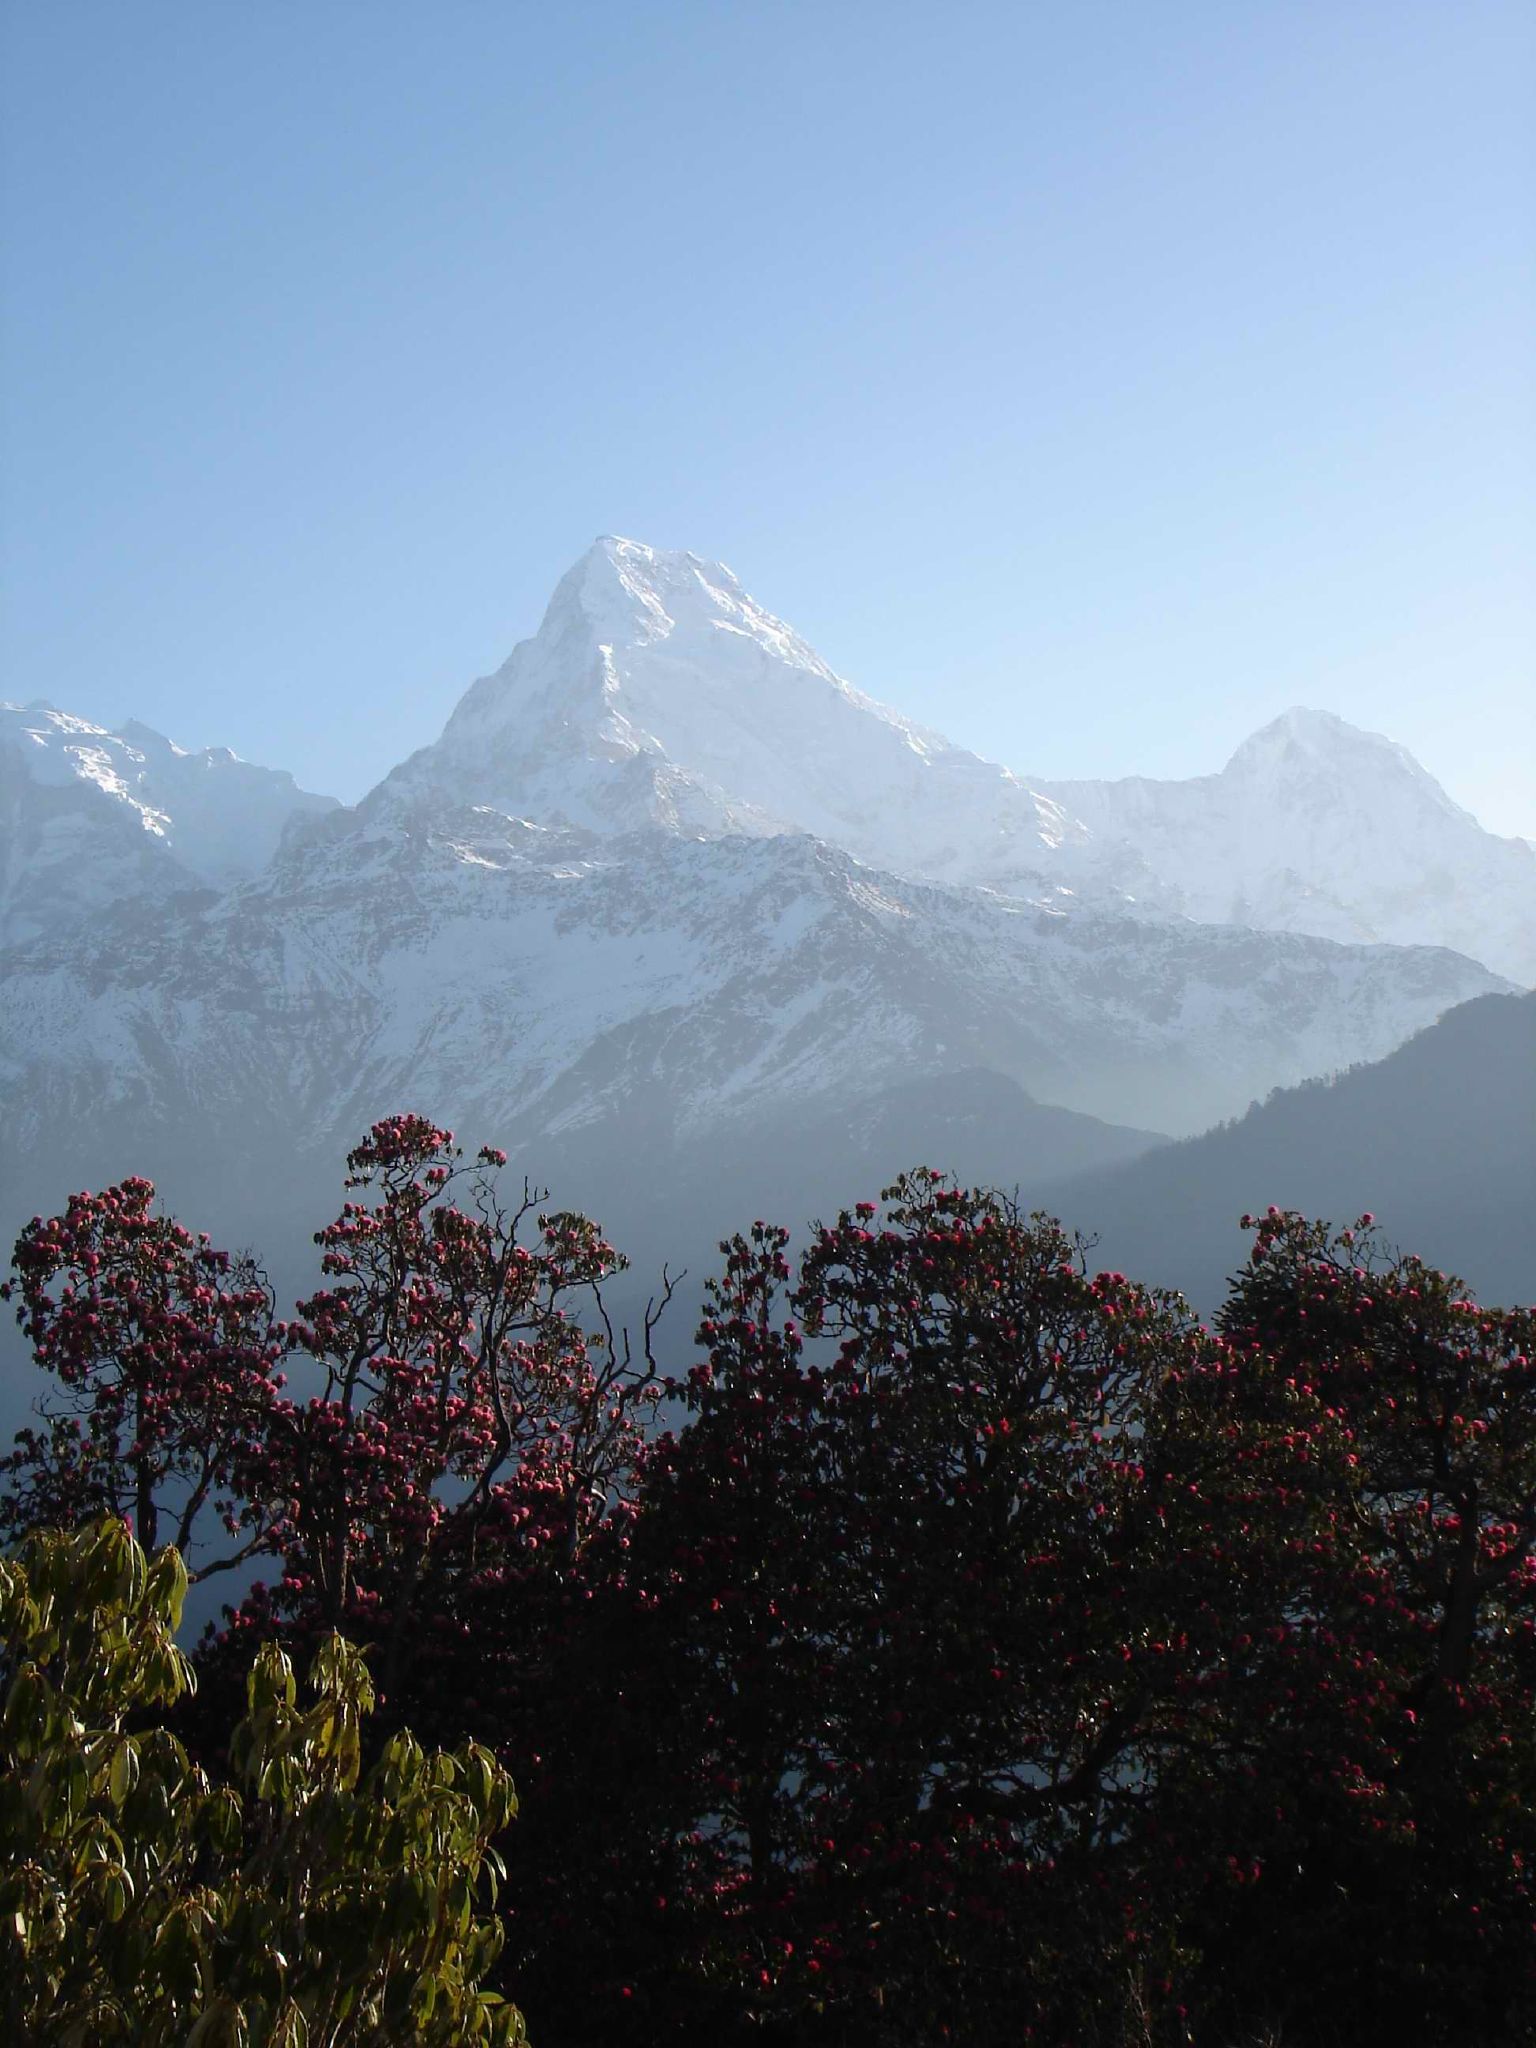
(91, 817)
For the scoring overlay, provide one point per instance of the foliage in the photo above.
(1414, 1707)
(163, 1358)
(902, 1479)
(988, 1651)
(140, 1902)
(1009, 1656)
(453, 1433)
(466, 1431)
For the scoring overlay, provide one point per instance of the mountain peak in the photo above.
(1307, 741)
(1309, 724)
(1303, 729)
(1316, 825)
(636, 563)
(657, 691)
(640, 572)
(626, 593)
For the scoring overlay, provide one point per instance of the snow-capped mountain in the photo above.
(90, 817)
(664, 890)
(657, 692)
(535, 980)
(1316, 826)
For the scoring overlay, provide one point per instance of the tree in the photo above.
(468, 1435)
(1398, 1739)
(908, 1581)
(1007, 1651)
(162, 1355)
(454, 1431)
(990, 1651)
(308, 1905)
(464, 1421)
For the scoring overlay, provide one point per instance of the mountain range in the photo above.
(90, 818)
(667, 890)
(1315, 826)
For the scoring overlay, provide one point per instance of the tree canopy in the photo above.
(963, 1643)
(302, 1901)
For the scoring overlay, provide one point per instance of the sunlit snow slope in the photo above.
(90, 818)
(1316, 826)
(657, 691)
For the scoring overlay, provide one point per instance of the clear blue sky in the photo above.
(1089, 380)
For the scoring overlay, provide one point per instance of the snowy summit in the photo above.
(658, 692)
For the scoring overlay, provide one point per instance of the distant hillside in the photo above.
(661, 1201)
(1438, 1140)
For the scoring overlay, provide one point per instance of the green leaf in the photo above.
(123, 1774)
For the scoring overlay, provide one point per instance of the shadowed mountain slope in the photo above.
(1438, 1140)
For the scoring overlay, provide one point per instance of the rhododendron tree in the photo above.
(1005, 1656)
(463, 1415)
(162, 1357)
(1422, 1688)
(907, 1577)
(473, 1417)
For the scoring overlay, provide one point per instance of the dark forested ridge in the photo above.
(1438, 1139)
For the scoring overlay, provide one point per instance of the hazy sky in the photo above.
(1091, 381)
